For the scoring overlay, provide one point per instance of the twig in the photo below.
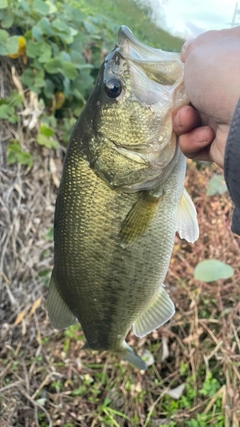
(36, 404)
(10, 386)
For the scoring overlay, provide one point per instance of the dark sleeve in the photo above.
(232, 167)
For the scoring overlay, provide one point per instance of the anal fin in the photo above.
(159, 311)
(59, 314)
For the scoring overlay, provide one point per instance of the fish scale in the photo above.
(118, 208)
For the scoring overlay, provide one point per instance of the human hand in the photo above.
(212, 82)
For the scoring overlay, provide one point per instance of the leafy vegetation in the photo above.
(216, 185)
(210, 270)
(61, 47)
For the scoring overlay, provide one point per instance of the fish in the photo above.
(121, 201)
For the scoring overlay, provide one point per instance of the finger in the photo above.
(192, 143)
(186, 119)
(205, 155)
(191, 44)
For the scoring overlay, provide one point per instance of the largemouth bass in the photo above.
(121, 201)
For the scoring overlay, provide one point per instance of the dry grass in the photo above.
(45, 377)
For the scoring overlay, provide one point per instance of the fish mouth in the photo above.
(160, 66)
(137, 50)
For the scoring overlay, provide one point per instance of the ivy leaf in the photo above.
(3, 36)
(37, 33)
(3, 4)
(33, 49)
(33, 79)
(46, 53)
(45, 26)
(69, 70)
(50, 234)
(211, 270)
(48, 142)
(53, 66)
(25, 6)
(216, 185)
(15, 154)
(48, 88)
(25, 158)
(46, 130)
(3, 40)
(4, 111)
(59, 25)
(7, 20)
(41, 7)
(12, 45)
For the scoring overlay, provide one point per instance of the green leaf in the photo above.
(25, 158)
(69, 70)
(3, 4)
(12, 44)
(37, 33)
(48, 88)
(216, 185)
(46, 130)
(52, 7)
(3, 50)
(46, 54)
(33, 79)
(15, 154)
(64, 56)
(50, 234)
(41, 7)
(25, 6)
(211, 270)
(15, 99)
(91, 29)
(78, 16)
(39, 82)
(3, 36)
(34, 49)
(28, 77)
(77, 57)
(59, 25)
(45, 25)
(48, 142)
(53, 66)
(7, 20)
(4, 111)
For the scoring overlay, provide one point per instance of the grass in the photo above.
(124, 12)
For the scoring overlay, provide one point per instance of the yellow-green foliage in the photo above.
(62, 44)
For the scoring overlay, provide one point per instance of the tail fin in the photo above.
(131, 356)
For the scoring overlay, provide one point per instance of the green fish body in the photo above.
(121, 201)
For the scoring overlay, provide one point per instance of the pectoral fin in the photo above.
(187, 224)
(59, 314)
(139, 218)
(159, 311)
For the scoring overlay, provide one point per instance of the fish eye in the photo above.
(113, 87)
